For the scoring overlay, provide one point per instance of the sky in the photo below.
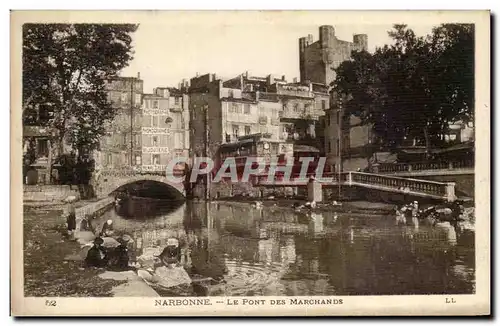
(167, 52)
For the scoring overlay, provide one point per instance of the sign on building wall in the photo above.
(153, 168)
(153, 130)
(156, 150)
(154, 111)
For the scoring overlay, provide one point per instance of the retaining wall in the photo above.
(92, 210)
(49, 192)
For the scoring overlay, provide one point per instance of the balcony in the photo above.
(250, 96)
(271, 97)
(38, 131)
(303, 114)
(176, 108)
(318, 88)
(295, 91)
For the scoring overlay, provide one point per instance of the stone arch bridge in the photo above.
(105, 182)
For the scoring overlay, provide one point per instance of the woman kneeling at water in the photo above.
(119, 258)
(107, 229)
(97, 256)
(172, 253)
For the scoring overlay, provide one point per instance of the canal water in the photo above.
(277, 251)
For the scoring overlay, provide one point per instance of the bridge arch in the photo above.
(107, 184)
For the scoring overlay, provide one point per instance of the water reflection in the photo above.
(273, 251)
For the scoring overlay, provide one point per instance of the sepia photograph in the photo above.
(280, 162)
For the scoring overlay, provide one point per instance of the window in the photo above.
(179, 140)
(296, 107)
(108, 160)
(43, 147)
(235, 108)
(247, 130)
(236, 131)
(338, 147)
(246, 108)
(323, 104)
(156, 159)
(146, 104)
(176, 101)
(138, 99)
(124, 97)
(138, 160)
(155, 121)
(329, 147)
(230, 93)
(45, 113)
(338, 117)
(125, 138)
(155, 141)
(345, 141)
(137, 140)
(155, 104)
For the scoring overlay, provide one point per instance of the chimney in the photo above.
(197, 74)
(295, 80)
(309, 39)
(138, 75)
(270, 80)
(246, 74)
(283, 78)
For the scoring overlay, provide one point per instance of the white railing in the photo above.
(442, 190)
(422, 166)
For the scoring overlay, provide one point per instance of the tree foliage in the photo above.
(413, 88)
(65, 67)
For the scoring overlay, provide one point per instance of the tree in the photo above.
(65, 67)
(413, 88)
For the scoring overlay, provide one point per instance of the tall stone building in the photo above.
(121, 146)
(318, 59)
(344, 137)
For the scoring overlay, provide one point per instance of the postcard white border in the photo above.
(477, 304)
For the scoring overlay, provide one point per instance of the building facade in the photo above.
(347, 141)
(165, 128)
(344, 138)
(121, 146)
(222, 111)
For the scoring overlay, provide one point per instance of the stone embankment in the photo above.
(48, 193)
(93, 209)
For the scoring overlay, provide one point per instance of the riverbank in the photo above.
(46, 273)
(344, 207)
